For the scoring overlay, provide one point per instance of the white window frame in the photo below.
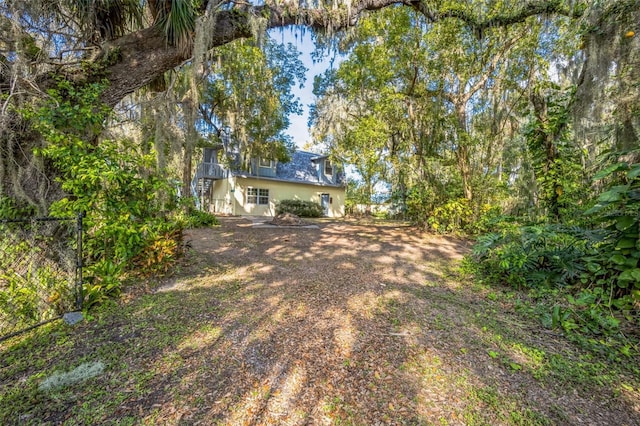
(258, 196)
(329, 166)
(263, 196)
(252, 195)
(263, 161)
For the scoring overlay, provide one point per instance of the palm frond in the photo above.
(177, 18)
(107, 19)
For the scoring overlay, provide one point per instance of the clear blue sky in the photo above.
(304, 43)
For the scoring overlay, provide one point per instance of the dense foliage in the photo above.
(591, 271)
(133, 220)
(525, 136)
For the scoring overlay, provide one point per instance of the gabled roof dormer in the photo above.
(326, 170)
(264, 167)
(304, 167)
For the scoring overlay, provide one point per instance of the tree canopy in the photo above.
(131, 42)
(444, 80)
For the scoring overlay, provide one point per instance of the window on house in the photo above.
(328, 168)
(265, 163)
(257, 196)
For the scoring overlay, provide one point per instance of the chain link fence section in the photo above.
(40, 272)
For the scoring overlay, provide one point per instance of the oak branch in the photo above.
(140, 57)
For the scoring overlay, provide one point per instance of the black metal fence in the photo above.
(40, 272)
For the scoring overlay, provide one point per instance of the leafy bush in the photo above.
(453, 216)
(159, 255)
(300, 208)
(9, 209)
(587, 278)
(36, 275)
(548, 256)
(102, 281)
(569, 289)
(128, 224)
(199, 219)
(616, 266)
(419, 204)
(459, 216)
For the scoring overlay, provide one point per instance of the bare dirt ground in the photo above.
(365, 324)
(357, 323)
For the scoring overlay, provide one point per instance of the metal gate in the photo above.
(40, 272)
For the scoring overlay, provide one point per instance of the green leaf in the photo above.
(630, 275)
(618, 259)
(609, 170)
(625, 276)
(625, 222)
(634, 172)
(626, 243)
(623, 283)
(594, 209)
(593, 267)
(614, 194)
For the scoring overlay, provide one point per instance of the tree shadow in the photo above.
(343, 324)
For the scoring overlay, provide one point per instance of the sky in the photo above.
(303, 41)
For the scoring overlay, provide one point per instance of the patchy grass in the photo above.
(354, 323)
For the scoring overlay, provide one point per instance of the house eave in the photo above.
(301, 182)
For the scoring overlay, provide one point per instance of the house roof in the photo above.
(303, 168)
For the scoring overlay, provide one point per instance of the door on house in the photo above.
(324, 202)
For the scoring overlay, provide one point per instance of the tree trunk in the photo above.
(545, 138)
(190, 137)
(462, 150)
(465, 171)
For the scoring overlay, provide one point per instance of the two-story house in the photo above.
(255, 192)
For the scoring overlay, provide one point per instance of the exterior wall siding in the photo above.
(279, 191)
(221, 196)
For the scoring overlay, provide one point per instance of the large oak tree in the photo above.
(132, 43)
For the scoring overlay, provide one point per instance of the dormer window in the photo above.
(266, 163)
(328, 168)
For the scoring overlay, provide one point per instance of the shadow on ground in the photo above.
(346, 324)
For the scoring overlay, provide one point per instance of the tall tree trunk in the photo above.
(190, 137)
(545, 140)
(462, 150)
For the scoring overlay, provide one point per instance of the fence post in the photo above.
(79, 296)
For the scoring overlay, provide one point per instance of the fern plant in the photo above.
(535, 256)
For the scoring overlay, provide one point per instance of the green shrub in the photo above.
(300, 208)
(539, 256)
(200, 219)
(616, 266)
(35, 285)
(10, 209)
(453, 216)
(581, 280)
(419, 204)
(129, 227)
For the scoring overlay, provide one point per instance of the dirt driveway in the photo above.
(349, 323)
(368, 324)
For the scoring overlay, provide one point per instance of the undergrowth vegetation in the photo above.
(133, 217)
(584, 280)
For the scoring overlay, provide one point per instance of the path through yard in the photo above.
(348, 323)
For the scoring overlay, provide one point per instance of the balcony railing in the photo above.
(211, 171)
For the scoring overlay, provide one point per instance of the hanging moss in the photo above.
(608, 97)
